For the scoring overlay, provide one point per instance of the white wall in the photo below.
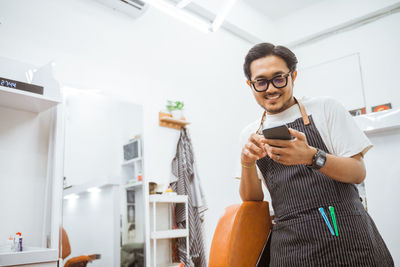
(324, 15)
(381, 187)
(377, 43)
(346, 86)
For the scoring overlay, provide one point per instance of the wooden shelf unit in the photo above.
(166, 120)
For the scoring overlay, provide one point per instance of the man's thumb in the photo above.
(297, 134)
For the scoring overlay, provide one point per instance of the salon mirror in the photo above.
(103, 197)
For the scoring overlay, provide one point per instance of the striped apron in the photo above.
(301, 236)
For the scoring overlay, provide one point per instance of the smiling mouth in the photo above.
(272, 97)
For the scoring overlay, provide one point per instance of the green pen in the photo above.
(334, 219)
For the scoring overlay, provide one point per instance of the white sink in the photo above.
(28, 256)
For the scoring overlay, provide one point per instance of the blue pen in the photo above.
(321, 210)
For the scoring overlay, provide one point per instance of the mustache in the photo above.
(272, 94)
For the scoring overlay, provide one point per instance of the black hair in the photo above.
(266, 49)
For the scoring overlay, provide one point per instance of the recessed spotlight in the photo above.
(94, 190)
(71, 196)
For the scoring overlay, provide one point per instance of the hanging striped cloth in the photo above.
(185, 182)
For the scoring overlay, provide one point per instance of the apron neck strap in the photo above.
(303, 112)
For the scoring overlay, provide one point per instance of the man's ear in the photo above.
(248, 83)
(294, 75)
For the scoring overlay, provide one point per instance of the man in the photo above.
(320, 220)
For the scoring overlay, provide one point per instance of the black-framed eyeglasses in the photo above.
(262, 84)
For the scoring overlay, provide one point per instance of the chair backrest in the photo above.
(240, 235)
(80, 261)
(65, 246)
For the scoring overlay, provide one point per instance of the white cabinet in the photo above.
(170, 233)
(31, 256)
(132, 171)
(133, 228)
(132, 214)
(21, 100)
(132, 167)
(25, 117)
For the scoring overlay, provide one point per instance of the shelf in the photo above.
(135, 184)
(166, 120)
(379, 122)
(177, 233)
(169, 233)
(131, 161)
(165, 198)
(382, 130)
(22, 100)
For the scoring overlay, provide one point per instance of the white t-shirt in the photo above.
(336, 126)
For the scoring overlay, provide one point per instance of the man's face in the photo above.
(273, 100)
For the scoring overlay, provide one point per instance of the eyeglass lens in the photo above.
(263, 84)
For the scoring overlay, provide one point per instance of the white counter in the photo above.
(33, 256)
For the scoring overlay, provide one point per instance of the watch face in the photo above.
(320, 161)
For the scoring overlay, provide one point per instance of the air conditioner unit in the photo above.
(132, 8)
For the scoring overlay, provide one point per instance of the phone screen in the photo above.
(278, 132)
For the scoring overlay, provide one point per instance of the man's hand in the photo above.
(254, 149)
(290, 152)
(250, 184)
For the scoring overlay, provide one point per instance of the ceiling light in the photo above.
(183, 3)
(180, 14)
(94, 190)
(222, 15)
(71, 196)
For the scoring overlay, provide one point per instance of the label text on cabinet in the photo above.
(8, 84)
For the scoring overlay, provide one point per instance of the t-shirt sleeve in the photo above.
(346, 137)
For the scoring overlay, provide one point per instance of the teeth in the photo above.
(273, 97)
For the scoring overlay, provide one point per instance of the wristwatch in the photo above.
(318, 160)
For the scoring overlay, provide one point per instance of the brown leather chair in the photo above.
(80, 261)
(241, 235)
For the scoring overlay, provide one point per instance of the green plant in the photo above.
(179, 105)
(174, 105)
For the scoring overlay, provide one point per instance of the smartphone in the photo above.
(280, 132)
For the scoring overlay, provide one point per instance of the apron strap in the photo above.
(261, 123)
(303, 112)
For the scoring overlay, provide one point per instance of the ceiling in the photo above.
(277, 9)
(258, 20)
